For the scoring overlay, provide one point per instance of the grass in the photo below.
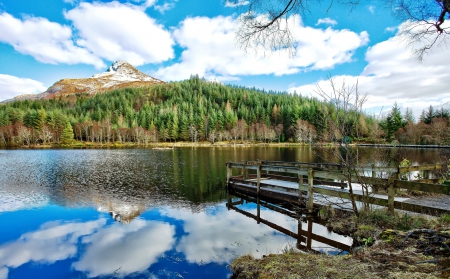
(390, 255)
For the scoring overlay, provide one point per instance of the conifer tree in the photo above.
(67, 134)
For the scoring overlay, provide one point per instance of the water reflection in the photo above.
(308, 234)
(125, 249)
(53, 241)
(137, 213)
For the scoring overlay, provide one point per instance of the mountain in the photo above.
(120, 74)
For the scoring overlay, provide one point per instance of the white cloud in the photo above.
(371, 9)
(393, 75)
(72, 2)
(164, 7)
(210, 50)
(131, 248)
(327, 21)
(11, 86)
(391, 29)
(116, 31)
(46, 41)
(149, 3)
(4, 272)
(236, 3)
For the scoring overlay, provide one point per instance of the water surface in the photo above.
(139, 213)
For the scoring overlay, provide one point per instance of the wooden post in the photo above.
(309, 239)
(258, 178)
(228, 173)
(258, 216)
(300, 184)
(398, 178)
(299, 233)
(391, 194)
(374, 175)
(310, 190)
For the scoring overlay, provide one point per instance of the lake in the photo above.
(143, 213)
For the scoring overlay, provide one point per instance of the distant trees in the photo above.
(432, 128)
(195, 110)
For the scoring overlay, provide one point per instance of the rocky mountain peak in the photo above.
(120, 74)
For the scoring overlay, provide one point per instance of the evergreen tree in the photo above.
(67, 134)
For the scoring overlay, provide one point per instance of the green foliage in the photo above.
(172, 109)
(393, 122)
(67, 134)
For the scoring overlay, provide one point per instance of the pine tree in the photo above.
(67, 134)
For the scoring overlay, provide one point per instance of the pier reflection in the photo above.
(310, 235)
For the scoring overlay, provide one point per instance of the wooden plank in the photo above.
(330, 175)
(421, 168)
(280, 169)
(330, 183)
(241, 165)
(378, 169)
(371, 180)
(281, 177)
(325, 240)
(429, 181)
(424, 187)
(268, 223)
(421, 208)
(291, 195)
(310, 190)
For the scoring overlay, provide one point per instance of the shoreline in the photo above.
(170, 145)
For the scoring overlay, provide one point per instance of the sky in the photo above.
(42, 42)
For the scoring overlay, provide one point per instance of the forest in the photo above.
(196, 110)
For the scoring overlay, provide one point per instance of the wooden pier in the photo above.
(314, 184)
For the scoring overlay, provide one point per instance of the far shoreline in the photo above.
(203, 144)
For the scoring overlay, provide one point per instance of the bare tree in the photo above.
(279, 131)
(348, 103)
(45, 134)
(266, 24)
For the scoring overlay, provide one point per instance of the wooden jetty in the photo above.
(317, 184)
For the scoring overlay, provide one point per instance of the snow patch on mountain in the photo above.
(122, 71)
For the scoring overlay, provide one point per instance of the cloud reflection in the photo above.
(131, 248)
(3, 272)
(52, 242)
(218, 237)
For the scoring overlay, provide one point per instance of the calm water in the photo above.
(140, 213)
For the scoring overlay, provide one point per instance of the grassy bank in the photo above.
(386, 246)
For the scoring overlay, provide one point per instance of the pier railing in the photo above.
(331, 180)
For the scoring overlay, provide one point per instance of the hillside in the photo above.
(191, 110)
(196, 110)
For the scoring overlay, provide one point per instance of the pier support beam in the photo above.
(391, 194)
(258, 178)
(300, 184)
(228, 172)
(310, 190)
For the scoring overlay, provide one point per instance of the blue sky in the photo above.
(42, 42)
